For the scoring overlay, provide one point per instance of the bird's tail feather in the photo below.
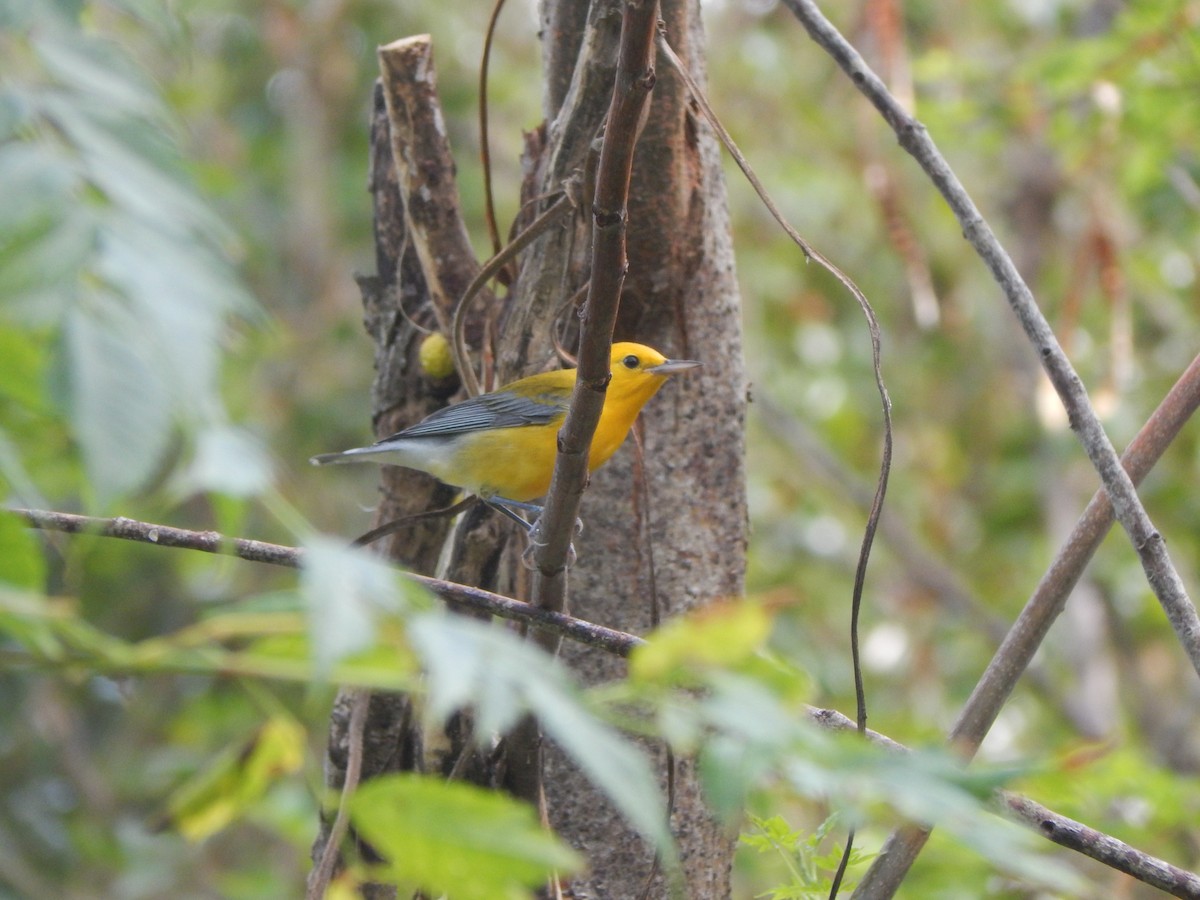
(358, 454)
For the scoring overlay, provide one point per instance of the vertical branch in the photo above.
(421, 150)
(630, 98)
(679, 295)
(556, 526)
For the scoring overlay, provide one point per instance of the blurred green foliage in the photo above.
(160, 165)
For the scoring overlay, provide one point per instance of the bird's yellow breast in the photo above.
(513, 463)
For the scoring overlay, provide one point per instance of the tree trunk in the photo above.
(675, 541)
(665, 533)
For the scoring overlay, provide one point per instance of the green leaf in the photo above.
(92, 68)
(230, 461)
(181, 292)
(38, 180)
(19, 486)
(446, 837)
(500, 676)
(724, 634)
(42, 268)
(21, 562)
(22, 359)
(119, 406)
(25, 619)
(479, 665)
(105, 241)
(347, 591)
(237, 779)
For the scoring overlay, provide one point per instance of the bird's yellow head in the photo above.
(638, 372)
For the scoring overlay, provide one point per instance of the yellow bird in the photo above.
(502, 445)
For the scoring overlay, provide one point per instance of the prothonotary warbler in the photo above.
(502, 445)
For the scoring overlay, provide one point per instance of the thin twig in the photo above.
(577, 630)
(919, 564)
(864, 554)
(382, 531)
(462, 359)
(876, 346)
(485, 152)
(318, 882)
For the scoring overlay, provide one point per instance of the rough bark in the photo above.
(400, 395)
(676, 541)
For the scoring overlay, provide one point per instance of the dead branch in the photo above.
(421, 149)
(475, 599)
(1102, 847)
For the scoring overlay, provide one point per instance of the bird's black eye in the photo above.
(630, 362)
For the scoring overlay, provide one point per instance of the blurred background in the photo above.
(228, 141)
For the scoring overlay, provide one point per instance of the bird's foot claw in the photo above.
(528, 561)
(536, 542)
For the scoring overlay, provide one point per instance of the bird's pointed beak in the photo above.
(671, 366)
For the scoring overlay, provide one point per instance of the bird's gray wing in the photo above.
(496, 410)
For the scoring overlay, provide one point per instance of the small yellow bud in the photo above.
(436, 358)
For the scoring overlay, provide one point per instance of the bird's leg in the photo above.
(509, 508)
(532, 529)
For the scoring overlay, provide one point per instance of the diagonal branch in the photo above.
(613, 641)
(1016, 652)
(1147, 542)
(1050, 596)
(1101, 847)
